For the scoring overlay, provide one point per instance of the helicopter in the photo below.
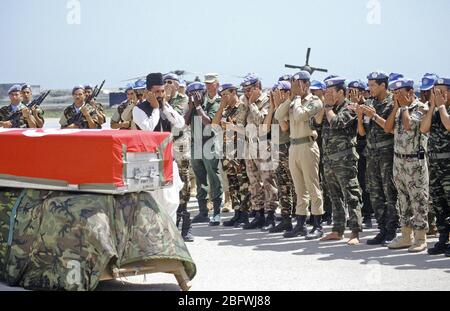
(306, 67)
(181, 73)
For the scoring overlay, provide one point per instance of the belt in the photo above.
(439, 156)
(339, 155)
(382, 144)
(282, 144)
(301, 141)
(406, 156)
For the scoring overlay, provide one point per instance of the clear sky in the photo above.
(116, 40)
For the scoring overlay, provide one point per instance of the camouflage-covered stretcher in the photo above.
(52, 240)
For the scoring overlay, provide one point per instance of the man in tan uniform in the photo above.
(304, 155)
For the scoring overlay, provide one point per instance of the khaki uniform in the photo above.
(124, 113)
(304, 154)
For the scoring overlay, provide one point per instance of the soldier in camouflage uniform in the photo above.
(79, 115)
(359, 87)
(339, 127)
(260, 168)
(410, 166)
(425, 95)
(99, 109)
(37, 112)
(16, 115)
(123, 116)
(318, 88)
(231, 117)
(372, 116)
(437, 123)
(286, 194)
(182, 153)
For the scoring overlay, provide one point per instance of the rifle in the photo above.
(95, 92)
(15, 117)
(38, 101)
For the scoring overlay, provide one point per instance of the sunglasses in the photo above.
(168, 82)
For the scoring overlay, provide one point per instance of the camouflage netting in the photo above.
(65, 241)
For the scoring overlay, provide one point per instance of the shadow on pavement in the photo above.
(261, 241)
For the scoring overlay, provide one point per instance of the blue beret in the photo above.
(394, 76)
(171, 76)
(330, 77)
(335, 82)
(400, 84)
(282, 85)
(302, 75)
(14, 88)
(377, 75)
(25, 86)
(285, 78)
(129, 87)
(76, 88)
(428, 81)
(88, 87)
(358, 85)
(317, 85)
(140, 84)
(250, 80)
(196, 86)
(443, 81)
(227, 86)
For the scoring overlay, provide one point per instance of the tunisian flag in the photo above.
(79, 157)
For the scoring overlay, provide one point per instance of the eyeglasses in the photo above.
(168, 82)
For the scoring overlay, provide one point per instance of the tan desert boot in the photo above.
(404, 241)
(420, 242)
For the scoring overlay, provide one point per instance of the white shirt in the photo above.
(174, 117)
(144, 122)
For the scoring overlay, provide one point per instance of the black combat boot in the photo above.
(317, 231)
(232, 222)
(299, 229)
(179, 217)
(327, 219)
(390, 236)
(202, 217)
(284, 225)
(186, 228)
(257, 222)
(379, 239)
(243, 220)
(270, 221)
(441, 246)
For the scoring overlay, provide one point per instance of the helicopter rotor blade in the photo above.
(133, 79)
(320, 69)
(293, 66)
(308, 53)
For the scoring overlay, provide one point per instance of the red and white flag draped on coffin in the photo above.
(80, 159)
